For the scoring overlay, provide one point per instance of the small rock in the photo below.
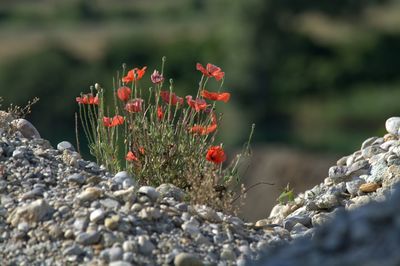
(112, 222)
(97, 215)
(368, 142)
(115, 254)
(76, 178)
(26, 128)
(90, 194)
(109, 203)
(392, 125)
(73, 250)
(354, 185)
(293, 220)
(187, 259)
(121, 176)
(150, 192)
(337, 172)
(65, 145)
(88, 238)
(369, 187)
(145, 245)
(119, 263)
(208, 214)
(169, 190)
(32, 212)
(228, 254)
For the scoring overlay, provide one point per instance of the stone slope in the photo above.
(58, 209)
(353, 238)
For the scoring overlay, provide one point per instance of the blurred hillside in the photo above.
(316, 75)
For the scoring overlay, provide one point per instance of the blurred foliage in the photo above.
(321, 75)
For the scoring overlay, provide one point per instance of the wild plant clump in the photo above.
(160, 137)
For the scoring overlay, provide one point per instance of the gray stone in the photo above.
(207, 214)
(90, 194)
(76, 178)
(228, 254)
(32, 212)
(97, 215)
(169, 190)
(121, 176)
(288, 223)
(145, 245)
(119, 263)
(150, 192)
(337, 172)
(73, 250)
(368, 142)
(392, 125)
(65, 145)
(370, 151)
(110, 203)
(115, 254)
(88, 238)
(354, 185)
(187, 259)
(26, 128)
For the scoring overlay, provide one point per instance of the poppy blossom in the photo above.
(88, 99)
(113, 121)
(134, 75)
(216, 155)
(167, 97)
(134, 106)
(141, 150)
(215, 96)
(204, 130)
(130, 156)
(210, 71)
(124, 93)
(160, 113)
(156, 77)
(198, 104)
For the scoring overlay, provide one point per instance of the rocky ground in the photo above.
(58, 209)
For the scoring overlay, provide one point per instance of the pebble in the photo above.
(393, 125)
(149, 192)
(145, 245)
(369, 187)
(88, 238)
(97, 215)
(26, 128)
(354, 186)
(76, 178)
(65, 145)
(187, 259)
(90, 194)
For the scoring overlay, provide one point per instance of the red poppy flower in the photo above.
(124, 93)
(216, 155)
(210, 71)
(198, 104)
(130, 156)
(134, 74)
(160, 113)
(88, 99)
(167, 96)
(204, 130)
(134, 106)
(141, 150)
(113, 121)
(215, 96)
(156, 77)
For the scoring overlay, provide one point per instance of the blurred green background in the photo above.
(316, 75)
